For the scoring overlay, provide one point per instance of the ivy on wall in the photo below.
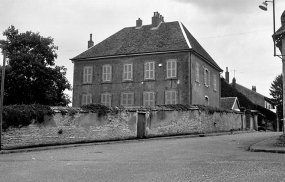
(23, 115)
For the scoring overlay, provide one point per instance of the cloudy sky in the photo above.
(236, 33)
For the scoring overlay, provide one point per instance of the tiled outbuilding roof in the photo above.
(169, 36)
(228, 102)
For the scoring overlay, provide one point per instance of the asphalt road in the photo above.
(218, 158)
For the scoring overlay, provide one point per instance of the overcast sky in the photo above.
(236, 33)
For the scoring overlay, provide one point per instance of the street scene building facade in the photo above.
(146, 65)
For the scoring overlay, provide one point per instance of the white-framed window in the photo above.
(170, 97)
(87, 74)
(197, 72)
(149, 70)
(128, 72)
(127, 99)
(148, 99)
(171, 68)
(207, 77)
(106, 99)
(215, 82)
(106, 73)
(86, 99)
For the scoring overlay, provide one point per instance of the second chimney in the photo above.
(227, 75)
(254, 88)
(90, 42)
(138, 23)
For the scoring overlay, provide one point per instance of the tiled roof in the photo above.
(167, 37)
(228, 102)
(198, 48)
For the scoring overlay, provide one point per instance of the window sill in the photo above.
(106, 82)
(145, 80)
(127, 80)
(172, 78)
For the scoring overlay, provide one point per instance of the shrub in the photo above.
(22, 115)
(100, 109)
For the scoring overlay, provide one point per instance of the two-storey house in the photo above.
(145, 65)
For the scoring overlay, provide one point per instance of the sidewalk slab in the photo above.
(268, 145)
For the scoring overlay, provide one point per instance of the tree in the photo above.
(276, 91)
(31, 74)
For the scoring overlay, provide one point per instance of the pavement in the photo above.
(268, 145)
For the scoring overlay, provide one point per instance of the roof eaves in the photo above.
(132, 54)
(209, 62)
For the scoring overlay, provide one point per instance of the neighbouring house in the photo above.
(255, 97)
(252, 103)
(230, 103)
(144, 65)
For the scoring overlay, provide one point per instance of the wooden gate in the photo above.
(141, 125)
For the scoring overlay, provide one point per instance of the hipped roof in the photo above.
(168, 36)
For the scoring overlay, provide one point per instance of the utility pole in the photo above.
(2, 96)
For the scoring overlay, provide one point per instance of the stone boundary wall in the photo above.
(88, 127)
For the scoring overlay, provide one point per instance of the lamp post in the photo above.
(2, 96)
(279, 40)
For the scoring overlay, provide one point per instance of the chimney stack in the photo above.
(227, 75)
(254, 88)
(157, 19)
(138, 23)
(90, 42)
(234, 82)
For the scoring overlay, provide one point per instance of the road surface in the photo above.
(218, 158)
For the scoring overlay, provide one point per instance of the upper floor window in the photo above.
(149, 70)
(87, 74)
(170, 97)
(107, 73)
(128, 72)
(215, 82)
(106, 99)
(86, 99)
(148, 99)
(171, 68)
(197, 72)
(127, 99)
(207, 77)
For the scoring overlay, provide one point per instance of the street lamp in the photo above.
(278, 39)
(263, 6)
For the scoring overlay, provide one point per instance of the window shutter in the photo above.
(110, 73)
(209, 78)
(168, 69)
(132, 99)
(90, 99)
(130, 71)
(173, 69)
(109, 100)
(145, 71)
(197, 72)
(89, 74)
(205, 76)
